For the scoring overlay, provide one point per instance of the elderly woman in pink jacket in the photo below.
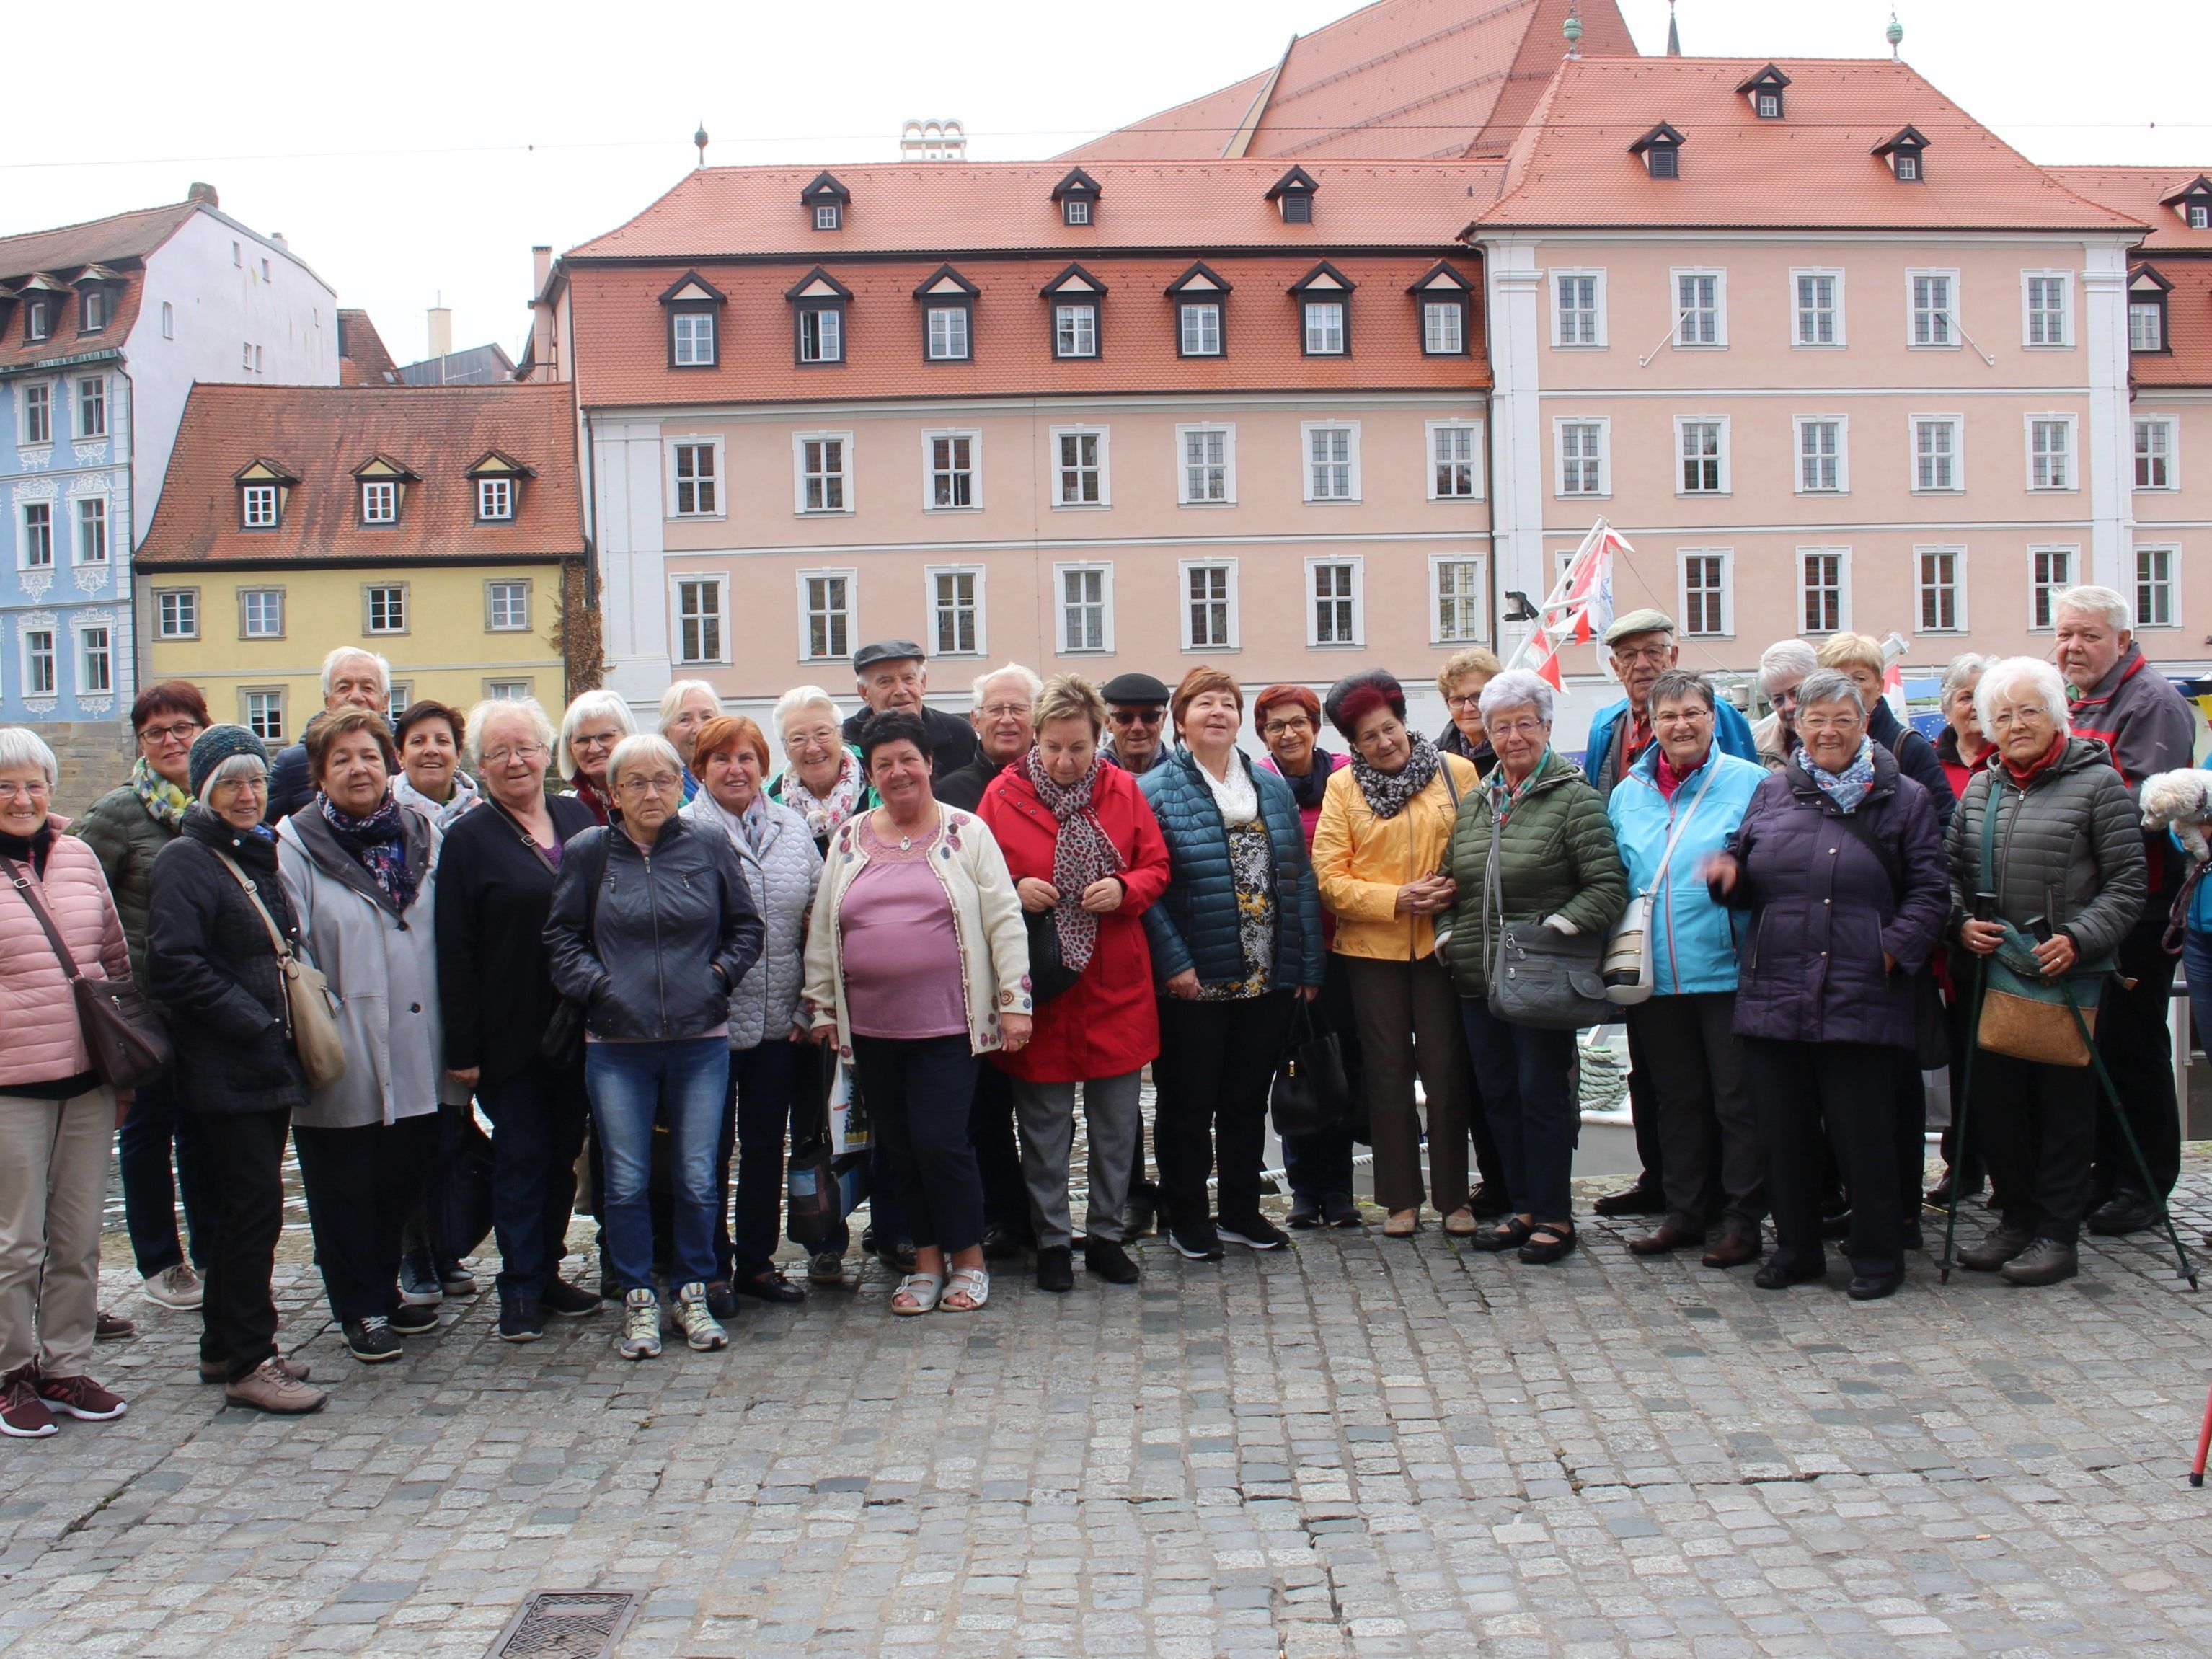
(58, 1121)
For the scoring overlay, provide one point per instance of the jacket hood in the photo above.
(311, 832)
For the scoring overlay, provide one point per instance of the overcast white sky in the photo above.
(411, 150)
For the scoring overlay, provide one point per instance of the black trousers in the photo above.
(238, 1310)
(1911, 1132)
(537, 1130)
(2135, 1034)
(998, 1155)
(2038, 1126)
(1210, 1116)
(1842, 1095)
(764, 1111)
(361, 1186)
(1643, 1116)
(1705, 1118)
(919, 1091)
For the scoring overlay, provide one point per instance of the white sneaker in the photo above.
(177, 1287)
(701, 1328)
(640, 1337)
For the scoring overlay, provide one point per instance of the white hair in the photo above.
(672, 700)
(22, 746)
(801, 697)
(638, 748)
(1956, 673)
(2005, 678)
(531, 710)
(1027, 676)
(2098, 601)
(591, 705)
(232, 766)
(1785, 660)
(1517, 688)
(347, 653)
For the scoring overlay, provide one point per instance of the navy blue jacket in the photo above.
(1195, 925)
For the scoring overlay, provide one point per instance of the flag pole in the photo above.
(1556, 599)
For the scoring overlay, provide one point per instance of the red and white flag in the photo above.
(1542, 658)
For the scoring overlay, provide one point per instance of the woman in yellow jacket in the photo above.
(1379, 854)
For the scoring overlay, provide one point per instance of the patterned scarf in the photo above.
(1389, 793)
(164, 802)
(592, 798)
(379, 841)
(1848, 787)
(824, 813)
(1081, 853)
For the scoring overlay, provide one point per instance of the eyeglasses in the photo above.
(1810, 724)
(999, 711)
(1787, 699)
(1516, 728)
(35, 790)
(821, 738)
(521, 751)
(180, 731)
(1137, 716)
(2030, 716)
(660, 783)
(1283, 728)
(1464, 700)
(1658, 652)
(595, 740)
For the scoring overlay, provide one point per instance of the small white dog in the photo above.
(2181, 800)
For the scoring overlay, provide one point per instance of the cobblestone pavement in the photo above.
(1360, 1446)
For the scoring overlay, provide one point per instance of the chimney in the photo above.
(541, 268)
(277, 237)
(541, 364)
(441, 331)
(203, 192)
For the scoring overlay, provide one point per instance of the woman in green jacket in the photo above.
(1556, 863)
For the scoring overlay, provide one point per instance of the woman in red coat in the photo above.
(1084, 849)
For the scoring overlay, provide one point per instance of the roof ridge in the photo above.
(102, 219)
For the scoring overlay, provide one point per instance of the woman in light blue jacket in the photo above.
(1673, 809)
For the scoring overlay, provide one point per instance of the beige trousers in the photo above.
(53, 1182)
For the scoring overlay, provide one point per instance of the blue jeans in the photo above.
(686, 1082)
(536, 1130)
(149, 1194)
(1528, 1091)
(2197, 963)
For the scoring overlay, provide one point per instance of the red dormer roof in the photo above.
(2144, 193)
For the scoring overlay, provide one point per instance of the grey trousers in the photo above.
(1046, 1112)
(1703, 1095)
(53, 1184)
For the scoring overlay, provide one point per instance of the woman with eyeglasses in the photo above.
(651, 929)
(1460, 683)
(594, 723)
(685, 707)
(822, 780)
(1783, 667)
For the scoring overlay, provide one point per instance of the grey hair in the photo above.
(671, 701)
(1783, 658)
(591, 705)
(799, 697)
(1029, 677)
(2100, 601)
(1517, 688)
(2005, 677)
(1830, 685)
(541, 725)
(1956, 673)
(639, 747)
(22, 746)
(235, 766)
(346, 653)
(1680, 683)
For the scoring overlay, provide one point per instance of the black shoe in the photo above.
(1939, 1196)
(455, 1279)
(372, 1342)
(1141, 1212)
(611, 1288)
(1871, 1287)
(569, 1301)
(413, 1322)
(1196, 1243)
(722, 1299)
(522, 1320)
(1490, 1203)
(1639, 1199)
(1913, 1238)
(1055, 1268)
(1255, 1233)
(2125, 1211)
(770, 1287)
(1001, 1241)
(1107, 1259)
(896, 1254)
(1548, 1242)
(1305, 1214)
(1780, 1275)
(1341, 1211)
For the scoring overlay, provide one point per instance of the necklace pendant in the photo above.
(906, 843)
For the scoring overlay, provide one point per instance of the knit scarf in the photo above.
(1308, 790)
(824, 813)
(592, 798)
(379, 842)
(1848, 787)
(1082, 853)
(164, 802)
(1389, 793)
(443, 813)
(2024, 776)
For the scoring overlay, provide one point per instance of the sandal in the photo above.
(1402, 1223)
(1508, 1235)
(1460, 1223)
(925, 1290)
(974, 1283)
(1548, 1241)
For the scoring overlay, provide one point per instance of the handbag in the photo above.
(1539, 976)
(822, 1185)
(1310, 1092)
(127, 1042)
(2019, 1004)
(465, 1194)
(1049, 973)
(562, 1046)
(310, 1012)
(1628, 969)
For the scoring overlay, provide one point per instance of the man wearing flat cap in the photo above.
(1137, 708)
(893, 674)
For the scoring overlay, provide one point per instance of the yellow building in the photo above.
(438, 526)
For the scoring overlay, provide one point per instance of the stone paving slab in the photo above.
(1359, 1447)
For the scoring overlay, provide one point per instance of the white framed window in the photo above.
(96, 663)
(397, 696)
(946, 333)
(821, 333)
(1332, 460)
(1700, 307)
(1938, 454)
(954, 478)
(2154, 457)
(38, 552)
(1080, 477)
(1085, 610)
(380, 501)
(258, 506)
(2145, 325)
(168, 320)
(95, 310)
(92, 530)
(1443, 328)
(691, 339)
(1823, 462)
(177, 613)
(385, 608)
(1577, 308)
(1075, 210)
(1075, 330)
(1931, 299)
(1198, 328)
(1939, 575)
(2051, 451)
(38, 680)
(508, 690)
(261, 613)
(1701, 455)
(955, 610)
(494, 499)
(37, 419)
(700, 608)
(2047, 306)
(1455, 460)
(264, 713)
(1816, 305)
(506, 607)
(1704, 574)
(92, 406)
(2050, 572)
(1334, 604)
(2157, 604)
(1208, 474)
(1209, 606)
(1824, 593)
(829, 215)
(695, 470)
(1460, 612)
(246, 354)
(1585, 449)
(1324, 330)
(38, 320)
(825, 615)
(823, 465)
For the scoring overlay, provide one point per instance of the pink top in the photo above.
(902, 954)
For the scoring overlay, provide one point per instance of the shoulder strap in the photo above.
(1445, 765)
(1854, 827)
(1988, 872)
(22, 881)
(253, 898)
(524, 835)
(1659, 876)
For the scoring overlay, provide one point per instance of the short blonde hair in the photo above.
(1070, 696)
(1473, 660)
(531, 710)
(1849, 651)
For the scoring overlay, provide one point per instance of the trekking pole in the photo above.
(1985, 909)
(2203, 1445)
(2143, 1165)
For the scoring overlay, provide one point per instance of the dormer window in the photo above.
(1906, 154)
(2147, 302)
(948, 310)
(263, 489)
(1293, 194)
(1763, 90)
(497, 480)
(92, 316)
(1074, 297)
(1198, 296)
(383, 483)
(818, 305)
(826, 200)
(1078, 196)
(37, 317)
(1445, 298)
(693, 306)
(1324, 296)
(1661, 151)
(2193, 202)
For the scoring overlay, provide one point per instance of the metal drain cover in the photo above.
(566, 1625)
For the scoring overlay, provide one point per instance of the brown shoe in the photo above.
(1732, 1250)
(214, 1371)
(111, 1327)
(80, 1397)
(1666, 1238)
(269, 1388)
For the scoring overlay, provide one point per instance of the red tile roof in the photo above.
(320, 434)
(2141, 193)
(69, 248)
(1813, 169)
(363, 359)
(2188, 359)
